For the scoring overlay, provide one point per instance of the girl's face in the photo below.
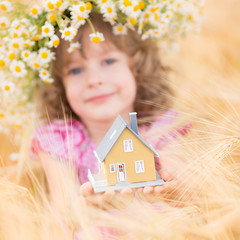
(101, 85)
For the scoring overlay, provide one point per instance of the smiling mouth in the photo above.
(100, 98)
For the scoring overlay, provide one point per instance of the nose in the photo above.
(94, 78)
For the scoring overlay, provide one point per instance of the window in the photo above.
(139, 166)
(112, 168)
(128, 146)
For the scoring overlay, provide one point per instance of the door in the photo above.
(121, 172)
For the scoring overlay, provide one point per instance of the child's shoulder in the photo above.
(165, 128)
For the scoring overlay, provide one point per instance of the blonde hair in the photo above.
(153, 89)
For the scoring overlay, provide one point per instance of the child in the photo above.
(119, 75)
(93, 80)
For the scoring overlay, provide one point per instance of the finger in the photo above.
(126, 191)
(148, 190)
(165, 175)
(158, 189)
(86, 189)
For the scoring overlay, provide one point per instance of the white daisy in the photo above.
(119, 29)
(6, 6)
(4, 22)
(78, 18)
(48, 80)
(35, 11)
(3, 61)
(54, 41)
(49, 5)
(96, 37)
(25, 55)
(47, 30)
(7, 86)
(28, 43)
(68, 33)
(73, 46)
(45, 55)
(15, 44)
(108, 10)
(34, 61)
(44, 74)
(18, 68)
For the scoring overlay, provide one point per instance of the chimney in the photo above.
(133, 121)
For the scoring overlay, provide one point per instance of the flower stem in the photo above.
(91, 25)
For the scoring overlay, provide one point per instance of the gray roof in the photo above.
(112, 136)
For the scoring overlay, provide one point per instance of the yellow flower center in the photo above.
(154, 9)
(34, 11)
(18, 69)
(56, 42)
(3, 24)
(36, 38)
(109, 9)
(11, 56)
(82, 8)
(24, 34)
(3, 7)
(11, 112)
(17, 125)
(178, 5)
(96, 39)
(133, 21)
(26, 54)
(146, 15)
(44, 55)
(59, 4)
(136, 8)
(15, 35)
(67, 33)
(7, 88)
(104, 1)
(15, 45)
(44, 73)
(1, 115)
(156, 16)
(120, 28)
(80, 18)
(50, 6)
(46, 30)
(141, 4)
(167, 16)
(47, 82)
(36, 65)
(127, 3)
(26, 44)
(53, 18)
(2, 63)
(88, 6)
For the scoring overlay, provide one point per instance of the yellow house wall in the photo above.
(140, 152)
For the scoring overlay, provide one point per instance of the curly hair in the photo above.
(153, 88)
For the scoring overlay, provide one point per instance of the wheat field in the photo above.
(205, 78)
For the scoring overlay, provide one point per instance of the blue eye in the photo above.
(75, 71)
(109, 61)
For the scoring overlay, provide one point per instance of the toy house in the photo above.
(125, 159)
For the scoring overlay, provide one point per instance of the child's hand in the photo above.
(174, 191)
(108, 200)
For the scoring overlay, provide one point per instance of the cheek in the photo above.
(73, 94)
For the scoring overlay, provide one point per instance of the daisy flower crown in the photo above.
(29, 33)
